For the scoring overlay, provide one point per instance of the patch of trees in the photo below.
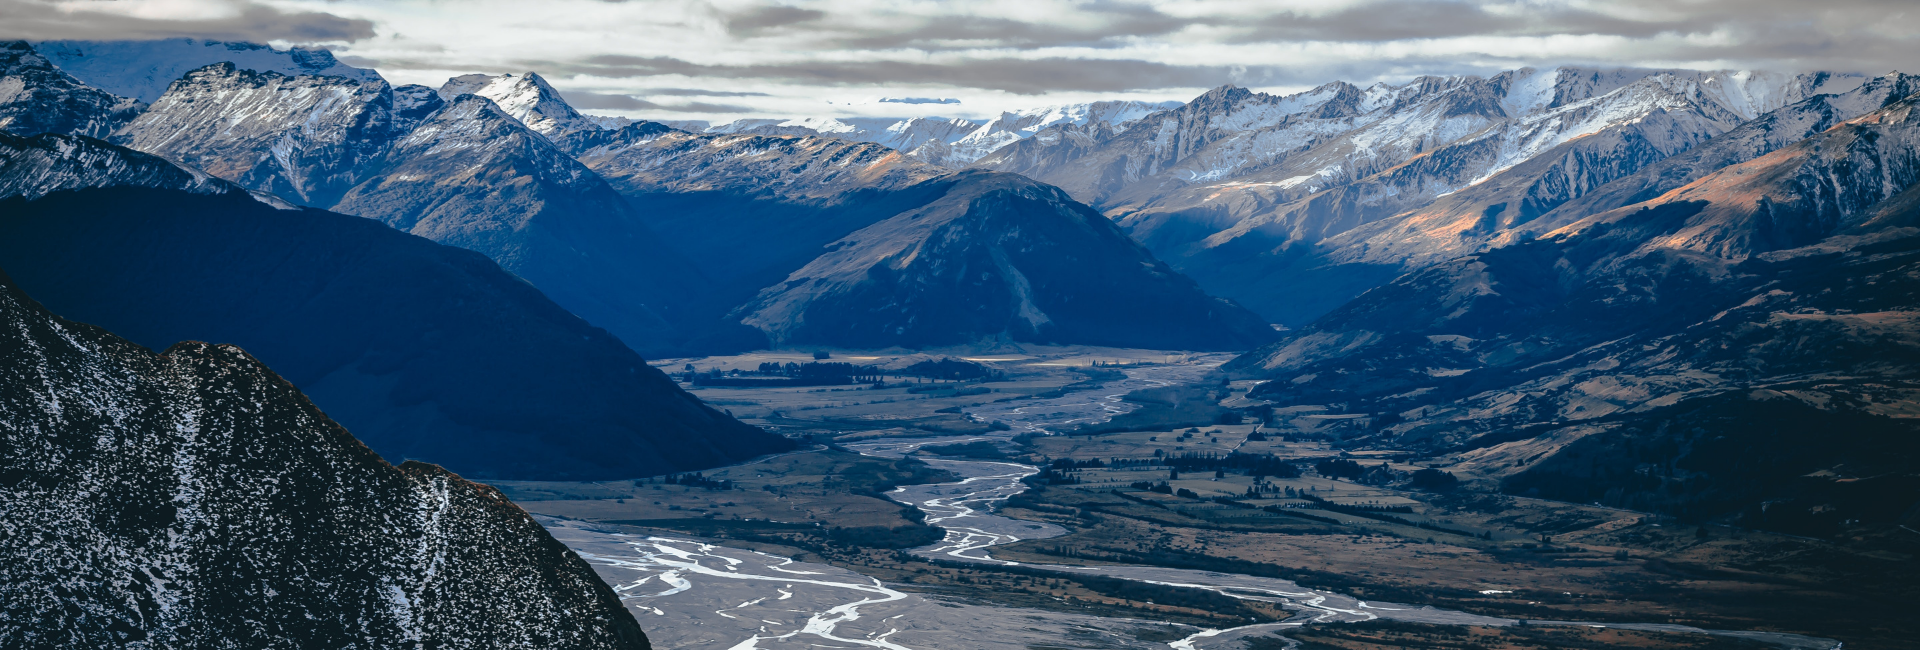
(977, 449)
(1251, 464)
(1381, 513)
(1347, 469)
(886, 536)
(876, 480)
(698, 480)
(1434, 480)
(1339, 468)
(953, 369)
(1351, 509)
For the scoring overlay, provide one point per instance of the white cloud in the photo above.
(819, 57)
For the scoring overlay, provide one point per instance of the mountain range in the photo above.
(1274, 201)
(503, 166)
(1582, 283)
(1527, 270)
(1606, 359)
(193, 498)
(947, 142)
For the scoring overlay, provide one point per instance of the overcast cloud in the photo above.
(725, 59)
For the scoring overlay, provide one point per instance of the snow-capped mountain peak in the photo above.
(36, 97)
(527, 97)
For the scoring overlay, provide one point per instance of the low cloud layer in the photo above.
(765, 58)
(237, 20)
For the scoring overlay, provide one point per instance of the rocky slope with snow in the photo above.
(46, 163)
(1750, 140)
(952, 143)
(306, 138)
(37, 97)
(1648, 156)
(1842, 188)
(475, 177)
(527, 97)
(1239, 188)
(143, 69)
(193, 498)
(1788, 277)
(465, 172)
(903, 134)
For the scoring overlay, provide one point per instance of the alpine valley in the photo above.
(1556, 357)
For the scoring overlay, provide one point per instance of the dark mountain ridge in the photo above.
(830, 242)
(428, 351)
(997, 255)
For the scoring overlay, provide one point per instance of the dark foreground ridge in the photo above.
(195, 499)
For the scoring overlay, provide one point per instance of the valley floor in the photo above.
(828, 511)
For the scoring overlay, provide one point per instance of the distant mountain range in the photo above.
(1278, 201)
(1771, 301)
(193, 498)
(946, 142)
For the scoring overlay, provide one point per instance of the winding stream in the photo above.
(691, 594)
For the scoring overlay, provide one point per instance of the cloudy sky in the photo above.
(726, 59)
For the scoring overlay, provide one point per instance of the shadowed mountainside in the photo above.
(427, 351)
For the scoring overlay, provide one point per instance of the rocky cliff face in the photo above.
(37, 97)
(194, 498)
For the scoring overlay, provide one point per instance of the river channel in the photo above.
(691, 594)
